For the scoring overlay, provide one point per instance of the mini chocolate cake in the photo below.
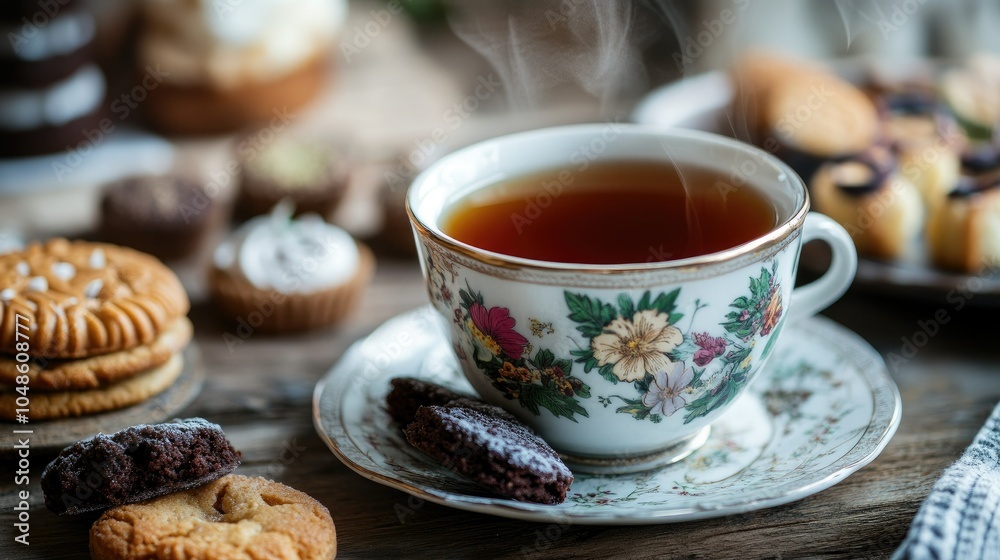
(502, 456)
(409, 393)
(164, 216)
(136, 464)
(51, 92)
(312, 174)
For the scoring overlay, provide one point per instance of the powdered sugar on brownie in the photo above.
(514, 442)
(136, 464)
(500, 454)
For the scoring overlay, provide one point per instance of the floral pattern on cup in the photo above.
(660, 368)
(534, 378)
(641, 343)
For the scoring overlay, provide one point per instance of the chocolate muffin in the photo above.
(166, 216)
(313, 174)
(135, 464)
(502, 456)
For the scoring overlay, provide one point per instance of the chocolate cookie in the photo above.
(233, 518)
(502, 456)
(135, 464)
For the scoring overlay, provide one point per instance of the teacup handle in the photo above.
(817, 295)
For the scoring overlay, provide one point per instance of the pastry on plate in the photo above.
(866, 194)
(754, 76)
(277, 273)
(963, 233)
(973, 94)
(229, 64)
(926, 139)
(313, 174)
(815, 118)
(136, 464)
(234, 517)
(165, 216)
(106, 328)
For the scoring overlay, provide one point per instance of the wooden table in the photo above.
(261, 395)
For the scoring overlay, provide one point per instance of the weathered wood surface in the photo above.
(261, 395)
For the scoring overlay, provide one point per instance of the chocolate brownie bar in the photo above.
(502, 456)
(135, 464)
(409, 393)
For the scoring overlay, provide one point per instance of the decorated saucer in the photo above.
(824, 408)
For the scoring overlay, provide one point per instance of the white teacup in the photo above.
(620, 367)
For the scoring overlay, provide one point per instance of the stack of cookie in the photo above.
(104, 327)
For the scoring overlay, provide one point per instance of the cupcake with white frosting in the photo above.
(229, 65)
(279, 274)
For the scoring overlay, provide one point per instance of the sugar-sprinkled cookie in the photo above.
(83, 299)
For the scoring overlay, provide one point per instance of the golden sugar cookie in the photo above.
(81, 299)
(233, 518)
(102, 370)
(48, 406)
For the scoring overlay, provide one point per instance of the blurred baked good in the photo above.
(230, 64)
(279, 274)
(754, 76)
(166, 216)
(312, 174)
(879, 208)
(973, 94)
(963, 233)
(926, 139)
(818, 118)
(136, 464)
(50, 89)
(799, 111)
(233, 518)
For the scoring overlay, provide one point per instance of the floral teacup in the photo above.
(620, 367)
